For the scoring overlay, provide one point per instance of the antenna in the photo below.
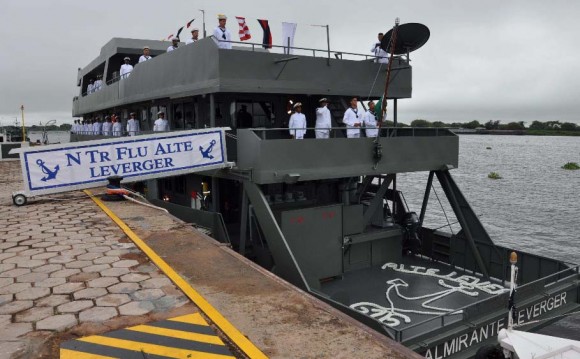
(203, 20)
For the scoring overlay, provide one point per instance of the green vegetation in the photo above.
(537, 128)
(571, 166)
(494, 175)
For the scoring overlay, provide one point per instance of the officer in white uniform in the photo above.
(107, 126)
(87, 127)
(98, 84)
(91, 86)
(194, 36)
(161, 124)
(117, 127)
(352, 119)
(222, 35)
(145, 56)
(174, 44)
(297, 123)
(126, 68)
(133, 125)
(323, 120)
(382, 55)
(370, 121)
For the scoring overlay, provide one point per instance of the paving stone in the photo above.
(118, 252)
(156, 283)
(32, 277)
(7, 266)
(52, 301)
(102, 282)
(67, 288)
(89, 256)
(73, 252)
(48, 268)
(62, 259)
(84, 245)
(30, 241)
(5, 320)
(31, 252)
(115, 272)
(50, 282)
(146, 268)
(65, 273)
(124, 288)
(106, 260)
(57, 322)
(6, 281)
(148, 294)
(78, 264)
(90, 293)
(13, 331)
(127, 263)
(16, 249)
(75, 307)
(100, 249)
(5, 298)
(97, 314)
(7, 245)
(12, 349)
(83, 277)
(15, 307)
(46, 255)
(14, 272)
(134, 277)
(34, 314)
(32, 293)
(44, 244)
(4, 256)
(96, 268)
(113, 300)
(15, 288)
(136, 308)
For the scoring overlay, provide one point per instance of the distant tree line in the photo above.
(497, 125)
(63, 127)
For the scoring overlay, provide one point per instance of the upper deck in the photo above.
(202, 68)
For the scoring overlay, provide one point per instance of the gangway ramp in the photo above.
(80, 165)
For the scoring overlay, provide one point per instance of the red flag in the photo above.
(189, 23)
(267, 41)
(170, 37)
(244, 31)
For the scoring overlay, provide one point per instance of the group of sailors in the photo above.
(95, 85)
(353, 119)
(112, 126)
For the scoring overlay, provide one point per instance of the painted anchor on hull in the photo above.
(206, 153)
(49, 174)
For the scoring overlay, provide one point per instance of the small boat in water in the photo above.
(11, 137)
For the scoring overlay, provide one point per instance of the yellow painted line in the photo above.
(243, 343)
(151, 348)
(71, 354)
(195, 318)
(180, 334)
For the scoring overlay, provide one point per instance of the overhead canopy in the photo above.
(410, 37)
(537, 346)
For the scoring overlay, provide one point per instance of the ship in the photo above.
(329, 215)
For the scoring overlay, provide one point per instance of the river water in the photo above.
(535, 207)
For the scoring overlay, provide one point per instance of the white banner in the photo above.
(77, 165)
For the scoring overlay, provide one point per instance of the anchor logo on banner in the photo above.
(206, 153)
(49, 174)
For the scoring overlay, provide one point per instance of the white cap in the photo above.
(297, 104)
(127, 58)
(194, 29)
(222, 17)
(161, 113)
(324, 99)
(174, 39)
(145, 47)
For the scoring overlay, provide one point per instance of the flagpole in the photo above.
(327, 40)
(23, 129)
(203, 20)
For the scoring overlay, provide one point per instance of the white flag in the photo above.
(288, 32)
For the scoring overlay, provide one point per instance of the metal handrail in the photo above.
(390, 131)
(574, 271)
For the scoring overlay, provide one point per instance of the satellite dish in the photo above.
(410, 37)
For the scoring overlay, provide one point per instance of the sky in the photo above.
(485, 60)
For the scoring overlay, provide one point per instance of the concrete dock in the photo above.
(78, 275)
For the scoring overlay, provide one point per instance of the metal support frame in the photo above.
(286, 264)
(377, 202)
(211, 110)
(450, 191)
(243, 222)
(426, 198)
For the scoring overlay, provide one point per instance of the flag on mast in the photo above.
(267, 40)
(244, 30)
(189, 23)
(179, 32)
(169, 37)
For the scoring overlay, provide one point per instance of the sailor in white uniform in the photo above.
(87, 127)
(222, 35)
(323, 120)
(174, 44)
(133, 125)
(161, 124)
(90, 86)
(107, 126)
(117, 127)
(96, 127)
(381, 55)
(98, 84)
(145, 56)
(126, 68)
(297, 123)
(194, 36)
(352, 119)
(370, 122)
